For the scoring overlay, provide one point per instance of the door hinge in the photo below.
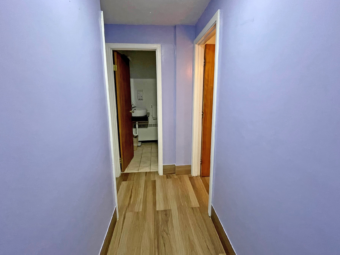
(121, 160)
(115, 68)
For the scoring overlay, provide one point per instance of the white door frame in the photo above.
(202, 38)
(110, 47)
(114, 185)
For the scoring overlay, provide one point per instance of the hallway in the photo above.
(163, 215)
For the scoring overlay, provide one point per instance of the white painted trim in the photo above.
(159, 108)
(197, 111)
(128, 46)
(204, 33)
(113, 110)
(213, 24)
(134, 46)
(114, 190)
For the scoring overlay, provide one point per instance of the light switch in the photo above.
(140, 95)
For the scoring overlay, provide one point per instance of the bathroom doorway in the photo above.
(139, 103)
(141, 95)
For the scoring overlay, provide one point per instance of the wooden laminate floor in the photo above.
(161, 215)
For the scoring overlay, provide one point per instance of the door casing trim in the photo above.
(114, 185)
(213, 25)
(110, 47)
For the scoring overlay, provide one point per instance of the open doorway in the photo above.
(136, 100)
(204, 103)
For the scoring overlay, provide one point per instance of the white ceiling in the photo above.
(153, 12)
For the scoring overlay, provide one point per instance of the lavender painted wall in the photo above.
(164, 35)
(185, 36)
(55, 185)
(277, 182)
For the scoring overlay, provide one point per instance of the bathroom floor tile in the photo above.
(145, 158)
(135, 161)
(132, 169)
(146, 162)
(147, 154)
(144, 169)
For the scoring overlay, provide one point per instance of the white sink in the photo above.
(138, 112)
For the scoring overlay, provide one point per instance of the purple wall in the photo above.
(185, 36)
(277, 182)
(164, 35)
(55, 186)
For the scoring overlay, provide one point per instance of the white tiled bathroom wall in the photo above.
(147, 98)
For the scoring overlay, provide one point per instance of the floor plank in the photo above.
(136, 177)
(150, 176)
(189, 190)
(206, 182)
(165, 233)
(148, 217)
(136, 203)
(124, 196)
(200, 243)
(161, 194)
(207, 228)
(174, 203)
(131, 235)
(200, 191)
(164, 215)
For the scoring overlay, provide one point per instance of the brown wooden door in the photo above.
(124, 107)
(208, 91)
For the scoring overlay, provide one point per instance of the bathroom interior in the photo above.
(143, 85)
